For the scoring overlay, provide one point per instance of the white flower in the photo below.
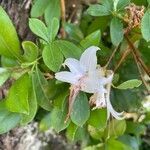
(102, 99)
(83, 75)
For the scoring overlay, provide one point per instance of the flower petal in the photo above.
(66, 76)
(73, 65)
(88, 60)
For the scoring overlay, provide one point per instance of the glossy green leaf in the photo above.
(52, 57)
(53, 29)
(4, 75)
(130, 84)
(39, 8)
(115, 128)
(91, 39)
(39, 28)
(40, 86)
(116, 31)
(45, 123)
(9, 42)
(145, 26)
(81, 110)
(116, 145)
(98, 118)
(69, 49)
(52, 11)
(32, 108)
(17, 99)
(30, 51)
(8, 119)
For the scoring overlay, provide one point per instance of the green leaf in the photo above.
(52, 57)
(30, 51)
(69, 49)
(130, 84)
(32, 108)
(92, 39)
(116, 145)
(81, 110)
(98, 10)
(74, 32)
(116, 31)
(115, 128)
(145, 26)
(9, 42)
(17, 99)
(52, 11)
(58, 117)
(101, 122)
(40, 86)
(39, 7)
(8, 119)
(4, 75)
(53, 29)
(8, 62)
(39, 28)
(45, 123)
(122, 4)
(95, 147)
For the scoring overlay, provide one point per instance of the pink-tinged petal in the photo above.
(88, 60)
(66, 76)
(73, 65)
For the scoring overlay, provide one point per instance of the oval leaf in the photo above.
(116, 31)
(9, 42)
(81, 110)
(145, 26)
(17, 100)
(130, 84)
(52, 57)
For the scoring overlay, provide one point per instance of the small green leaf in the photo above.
(68, 49)
(145, 26)
(52, 11)
(58, 117)
(91, 39)
(8, 62)
(81, 110)
(38, 28)
(101, 122)
(8, 119)
(17, 99)
(30, 51)
(39, 7)
(9, 42)
(116, 31)
(52, 57)
(53, 29)
(116, 145)
(4, 75)
(40, 86)
(74, 32)
(45, 123)
(32, 108)
(115, 128)
(130, 84)
(122, 4)
(98, 10)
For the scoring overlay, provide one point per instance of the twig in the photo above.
(63, 17)
(138, 57)
(111, 57)
(123, 57)
(140, 72)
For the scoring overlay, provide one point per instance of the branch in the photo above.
(63, 17)
(137, 55)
